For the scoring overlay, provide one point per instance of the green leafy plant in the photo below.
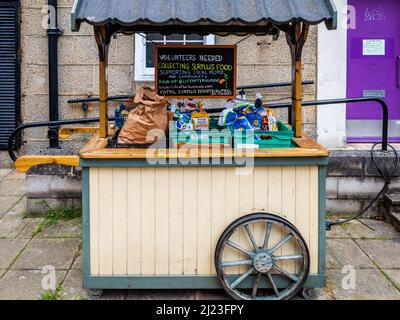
(52, 294)
(54, 216)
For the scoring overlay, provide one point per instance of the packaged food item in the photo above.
(227, 117)
(259, 105)
(241, 123)
(120, 114)
(265, 124)
(184, 121)
(241, 109)
(150, 114)
(272, 121)
(255, 120)
(201, 119)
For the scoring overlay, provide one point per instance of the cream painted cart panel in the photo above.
(167, 221)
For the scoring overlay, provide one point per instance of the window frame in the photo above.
(142, 73)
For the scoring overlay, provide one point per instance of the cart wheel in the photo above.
(306, 293)
(95, 293)
(258, 241)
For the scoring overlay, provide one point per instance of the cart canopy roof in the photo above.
(202, 16)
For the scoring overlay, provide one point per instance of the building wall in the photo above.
(78, 70)
(332, 77)
(260, 61)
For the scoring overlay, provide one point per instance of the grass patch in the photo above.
(346, 225)
(335, 216)
(54, 216)
(52, 294)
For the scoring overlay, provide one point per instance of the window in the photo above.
(144, 50)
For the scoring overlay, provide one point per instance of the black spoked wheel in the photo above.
(262, 257)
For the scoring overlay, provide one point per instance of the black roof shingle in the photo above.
(202, 16)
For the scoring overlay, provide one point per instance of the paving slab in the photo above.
(113, 295)
(72, 287)
(19, 209)
(12, 188)
(370, 284)
(10, 227)
(7, 202)
(10, 249)
(27, 232)
(4, 173)
(371, 229)
(13, 222)
(320, 294)
(385, 253)
(2, 272)
(63, 229)
(317, 294)
(337, 232)
(394, 275)
(331, 261)
(77, 263)
(24, 284)
(343, 252)
(43, 252)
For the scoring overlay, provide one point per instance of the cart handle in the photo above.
(51, 124)
(24, 163)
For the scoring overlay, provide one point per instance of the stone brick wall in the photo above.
(78, 70)
(260, 61)
(353, 182)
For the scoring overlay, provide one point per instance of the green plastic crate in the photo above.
(210, 137)
(268, 139)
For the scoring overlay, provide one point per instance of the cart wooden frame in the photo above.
(156, 224)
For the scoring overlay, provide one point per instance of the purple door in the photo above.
(373, 66)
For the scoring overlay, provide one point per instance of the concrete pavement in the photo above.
(363, 258)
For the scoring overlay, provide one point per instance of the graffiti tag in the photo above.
(374, 14)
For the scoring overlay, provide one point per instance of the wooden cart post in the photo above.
(296, 37)
(103, 39)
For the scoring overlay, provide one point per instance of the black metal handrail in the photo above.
(382, 103)
(385, 127)
(45, 124)
(247, 87)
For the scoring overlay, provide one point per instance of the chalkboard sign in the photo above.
(206, 72)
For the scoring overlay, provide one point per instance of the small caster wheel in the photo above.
(95, 294)
(306, 293)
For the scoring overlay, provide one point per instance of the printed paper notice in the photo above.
(374, 47)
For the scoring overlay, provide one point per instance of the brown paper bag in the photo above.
(149, 114)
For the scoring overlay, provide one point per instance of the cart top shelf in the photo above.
(302, 147)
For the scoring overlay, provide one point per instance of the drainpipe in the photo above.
(53, 32)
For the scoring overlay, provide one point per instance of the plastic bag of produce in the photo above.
(150, 113)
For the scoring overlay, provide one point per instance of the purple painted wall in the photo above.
(376, 20)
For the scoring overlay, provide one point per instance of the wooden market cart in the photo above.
(164, 224)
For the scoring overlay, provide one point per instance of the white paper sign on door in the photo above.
(374, 47)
